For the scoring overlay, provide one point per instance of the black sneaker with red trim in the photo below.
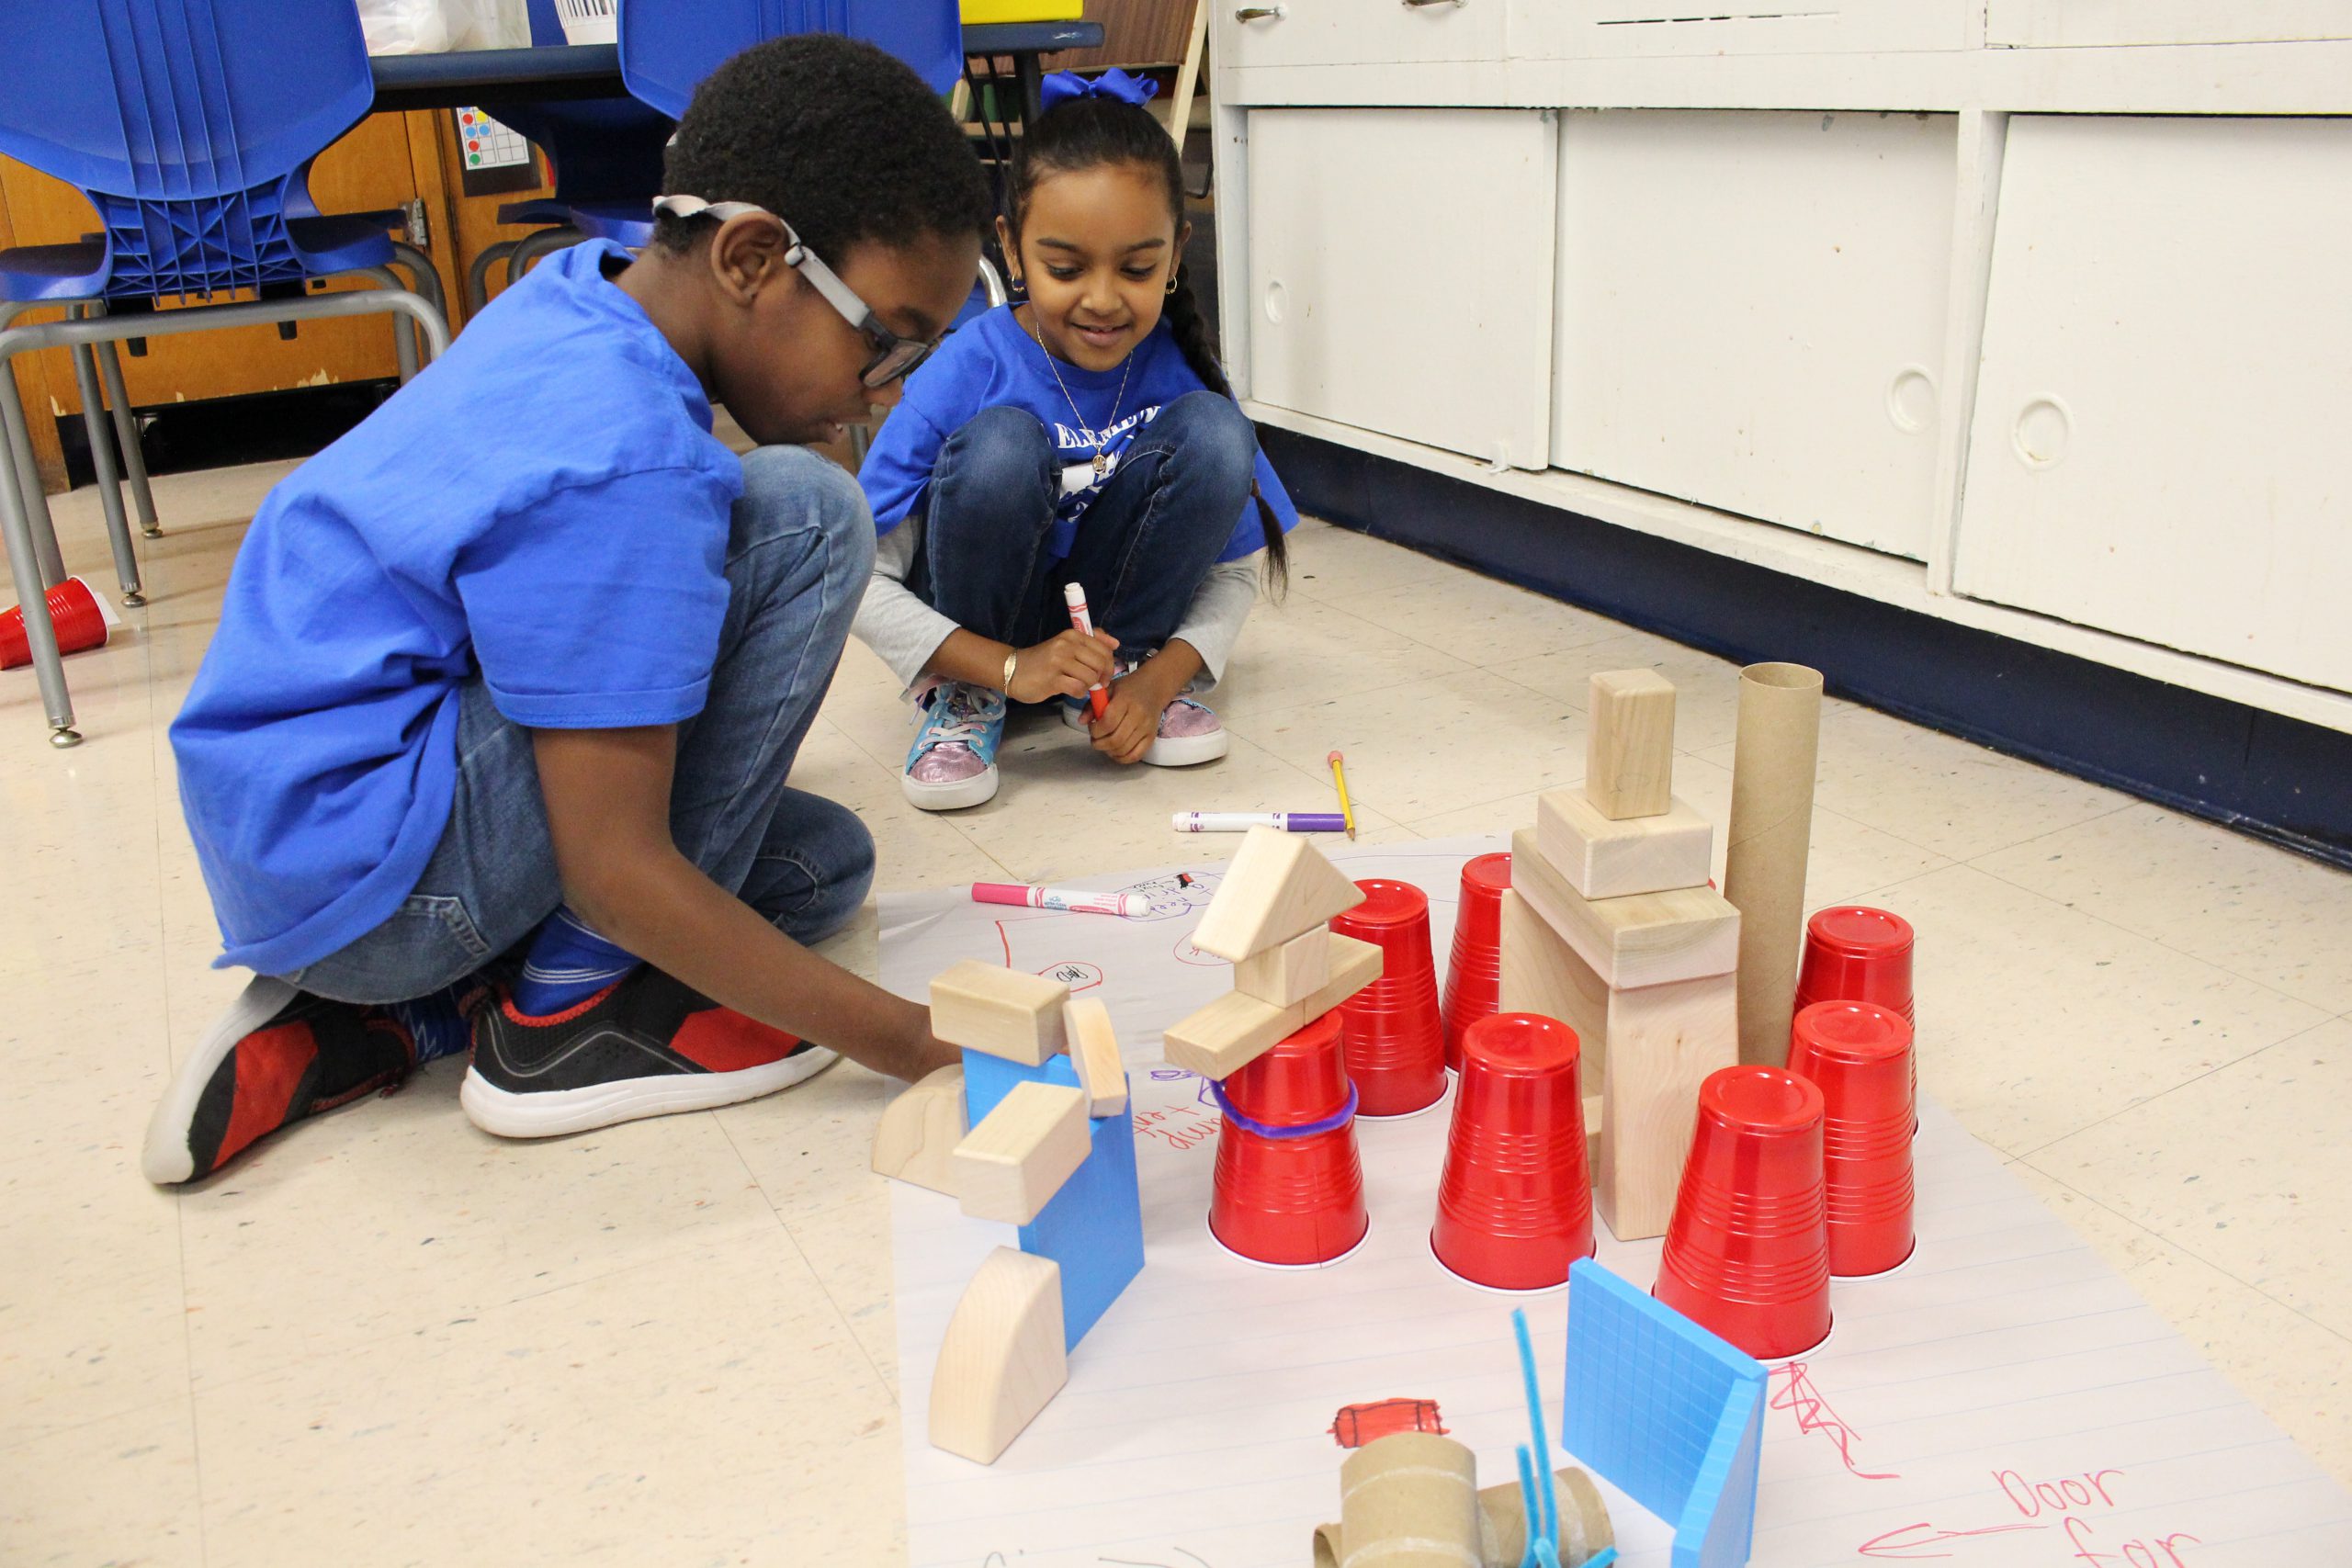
(645, 1046)
(278, 1056)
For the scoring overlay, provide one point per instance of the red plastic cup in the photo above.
(79, 616)
(1859, 1056)
(1292, 1201)
(1748, 1250)
(1514, 1207)
(1473, 974)
(1854, 953)
(1391, 1035)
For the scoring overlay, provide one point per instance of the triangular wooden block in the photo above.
(1278, 886)
(1002, 1358)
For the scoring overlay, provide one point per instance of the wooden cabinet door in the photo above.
(2157, 447)
(1751, 312)
(1400, 273)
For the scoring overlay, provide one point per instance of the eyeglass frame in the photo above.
(889, 346)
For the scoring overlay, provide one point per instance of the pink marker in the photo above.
(1068, 900)
(1097, 698)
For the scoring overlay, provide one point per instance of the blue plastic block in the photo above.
(1666, 1412)
(988, 1079)
(1093, 1226)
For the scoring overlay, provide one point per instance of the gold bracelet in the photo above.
(1010, 658)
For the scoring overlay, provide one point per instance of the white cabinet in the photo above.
(1400, 273)
(2158, 442)
(2081, 23)
(1751, 312)
(1600, 29)
(1355, 32)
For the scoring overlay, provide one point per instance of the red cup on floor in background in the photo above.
(1390, 1034)
(1473, 976)
(1747, 1253)
(1859, 1056)
(79, 613)
(1514, 1207)
(1288, 1187)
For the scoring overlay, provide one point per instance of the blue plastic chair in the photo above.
(190, 126)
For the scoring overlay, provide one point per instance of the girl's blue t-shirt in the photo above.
(546, 507)
(992, 362)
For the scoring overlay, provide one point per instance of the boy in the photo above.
(522, 662)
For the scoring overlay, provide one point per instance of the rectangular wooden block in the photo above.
(1009, 1167)
(1287, 974)
(1278, 885)
(1602, 858)
(1629, 750)
(1663, 1042)
(1646, 938)
(1094, 1051)
(1234, 1030)
(983, 1006)
(1542, 974)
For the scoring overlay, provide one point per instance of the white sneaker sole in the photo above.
(552, 1113)
(977, 790)
(165, 1158)
(1166, 751)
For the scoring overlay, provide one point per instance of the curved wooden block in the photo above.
(1001, 1359)
(920, 1130)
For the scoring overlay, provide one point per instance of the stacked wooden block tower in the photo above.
(1269, 919)
(1051, 1149)
(1610, 926)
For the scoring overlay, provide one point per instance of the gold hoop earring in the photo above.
(1175, 280)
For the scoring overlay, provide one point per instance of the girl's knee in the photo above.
(1211, 429)
(1000, 449)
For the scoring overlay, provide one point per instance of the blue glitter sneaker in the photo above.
(952, 764)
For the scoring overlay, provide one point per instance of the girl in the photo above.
(1085, 435)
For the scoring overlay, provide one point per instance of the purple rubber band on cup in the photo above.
(1332, 1123)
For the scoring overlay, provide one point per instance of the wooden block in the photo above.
(1646, 939)
(916, 1139)
(1663, 1042)
(1606, 859)
(1001, 1359)
(1278, 886)
(1003, 1012)
(1010, 1166)
(1287, 974)
(1094, 1051)
(1629, 751)
(1236, 1030)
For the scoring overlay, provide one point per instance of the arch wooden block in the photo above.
(917, 1136)
(1278, 886)
(1001, 1359)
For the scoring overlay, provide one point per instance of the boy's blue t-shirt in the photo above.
(992, 362)
(545, 505)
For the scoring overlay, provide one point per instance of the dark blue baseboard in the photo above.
(2278, 779)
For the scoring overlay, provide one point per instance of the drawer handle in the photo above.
(2043, 429)
(1257, 12)
(1419, 5)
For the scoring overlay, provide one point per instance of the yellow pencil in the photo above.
(1340, 777)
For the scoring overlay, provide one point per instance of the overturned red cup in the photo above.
(1288, 1187)
(1514, 1206)
(1474, 972)
(1853, 953)
(81, 618)
(1747, 1253)
(1390, 1032)
(1859, 1056)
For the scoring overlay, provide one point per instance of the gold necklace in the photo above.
(1101, 463)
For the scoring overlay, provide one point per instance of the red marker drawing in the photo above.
(1098, 700)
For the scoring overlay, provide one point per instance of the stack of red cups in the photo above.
(1393, 1042)
(1855, 954)
(1289, 1187)
(1514, 1206)
(1474, 977)
(1859, 1056)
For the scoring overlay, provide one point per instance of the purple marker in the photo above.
(1242, 821)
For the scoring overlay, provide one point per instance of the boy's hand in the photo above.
(1131, 723)
(1063, 665)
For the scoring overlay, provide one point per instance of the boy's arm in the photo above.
(607, 793)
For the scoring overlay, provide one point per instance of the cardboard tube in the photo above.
(1584, 1521)
(1772, 832)
(1326, 1546)
(1409, 1500)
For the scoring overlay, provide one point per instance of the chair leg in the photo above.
(101, 438)
(531, 247)
(27, 476)
(405, 337)
(126, 432)
(425, 284)
(25, 568)
(478, 275)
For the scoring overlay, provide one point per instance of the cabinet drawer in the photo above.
(2092, 22)
(1603, 29)
(1400, 273)
(1355, 32)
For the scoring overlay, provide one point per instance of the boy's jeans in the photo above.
(798, 558)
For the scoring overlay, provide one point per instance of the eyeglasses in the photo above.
(894, 355)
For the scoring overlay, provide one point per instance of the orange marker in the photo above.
(1098, 700)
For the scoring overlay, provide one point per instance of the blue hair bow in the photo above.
(1063, 86)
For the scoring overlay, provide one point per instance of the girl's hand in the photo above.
(1131, 723)
(1063, 665)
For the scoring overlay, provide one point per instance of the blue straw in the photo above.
(1528, 1505)
(1544, 1555)
(1602, 1558)
(1550, 1521)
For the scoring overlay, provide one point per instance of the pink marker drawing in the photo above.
(1067, 900)
(1098, 700)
